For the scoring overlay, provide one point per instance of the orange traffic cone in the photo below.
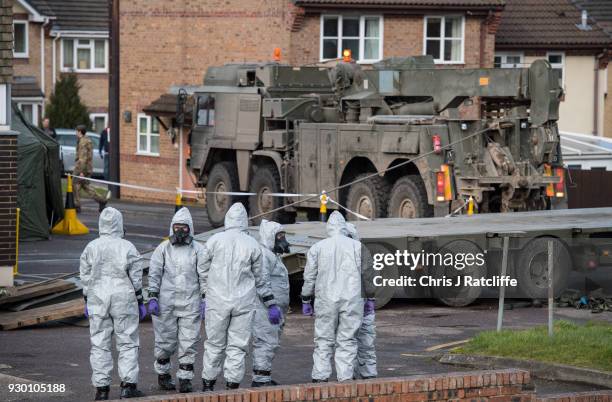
(70, 225)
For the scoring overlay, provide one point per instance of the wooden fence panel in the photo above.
(589, 188)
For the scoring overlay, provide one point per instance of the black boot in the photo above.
(102, 393)
(208, 385)
(231, 385)
(185, 386)
(129, 390)
(314, 380)
(165, 382)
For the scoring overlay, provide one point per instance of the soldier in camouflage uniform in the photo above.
(83, 167)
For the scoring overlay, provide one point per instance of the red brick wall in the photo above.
(172, 43)
(8, 198)
(499, 385)
(165, 43)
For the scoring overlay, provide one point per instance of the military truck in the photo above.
(437, 137)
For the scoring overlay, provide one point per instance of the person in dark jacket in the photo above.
(103, 150)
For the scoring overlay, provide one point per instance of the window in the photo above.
(99, 121)
(206, 110)
(30, 111)
(20, 39)
(508, 60)
(84, 55)
(67, 140)
(148, 135)
(363, 35)
(557, 62)
(444, 38)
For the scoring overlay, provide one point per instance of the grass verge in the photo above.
(588, 345)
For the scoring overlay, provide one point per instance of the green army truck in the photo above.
(437, 137)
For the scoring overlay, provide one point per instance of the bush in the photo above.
(65, 108)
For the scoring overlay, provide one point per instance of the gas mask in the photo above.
(281, 245)
(180, 234)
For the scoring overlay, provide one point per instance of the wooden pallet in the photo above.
(32, 291)
(26, 318)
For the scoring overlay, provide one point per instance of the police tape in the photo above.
(185, 191)
(234, 193)
(348, 210)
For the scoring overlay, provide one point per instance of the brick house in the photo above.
(61, 36)
(573, 43)
(8, 150)
(601, 12)
(186, 37)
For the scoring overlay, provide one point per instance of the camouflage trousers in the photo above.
(84, 185)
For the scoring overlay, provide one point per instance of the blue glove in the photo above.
(369, 307)
(307, 309)
(274, 314)
(203, 309)
(142, 311)
(86, 311)
(153, 307)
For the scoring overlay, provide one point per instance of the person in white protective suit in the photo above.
(174, 301)
(333, 276)
(365, 366)
(266, 336)
(232, 277)
(111, 274)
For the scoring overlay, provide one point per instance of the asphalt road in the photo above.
(59, 353)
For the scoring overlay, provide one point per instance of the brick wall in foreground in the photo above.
(496, 385)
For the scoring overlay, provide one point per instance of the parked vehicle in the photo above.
(67, 140)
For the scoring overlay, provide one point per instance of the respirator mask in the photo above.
(281, 245)
(180, 234)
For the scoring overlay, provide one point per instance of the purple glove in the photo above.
(203, 309)
(86, 311)
(142, 311)
(369, 307)
(153, 307)
(274, 314)
(307, 309)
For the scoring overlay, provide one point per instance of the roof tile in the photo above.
(547, 23)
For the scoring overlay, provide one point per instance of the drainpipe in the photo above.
(57, 36)
(596, 95)
(42, 62)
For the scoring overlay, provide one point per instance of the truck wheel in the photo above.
(409, 199)
(462, 295)
(368, 197)
(266, 180)
(222, 178)
(532, 267)
(384, 294)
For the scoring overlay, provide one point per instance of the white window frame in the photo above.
(148, 134)
(558, 65)
(93, 116)
(362, 18)
(92, 57)
(443, 37)
(36, 104)
(504, 56)
(22, 55)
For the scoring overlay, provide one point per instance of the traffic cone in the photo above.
(70, 225)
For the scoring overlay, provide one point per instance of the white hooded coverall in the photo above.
(333, 275)
(232, 278)
(174, 278)
(111, 273)
(266, 336)
(365, 366)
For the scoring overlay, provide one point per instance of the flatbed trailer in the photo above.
(582, 240)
